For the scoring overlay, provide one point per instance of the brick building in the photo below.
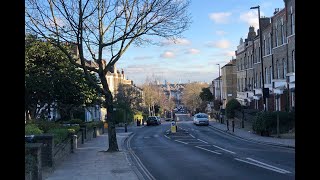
(278, 55)
(229, 79)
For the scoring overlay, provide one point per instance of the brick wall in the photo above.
(47, 148)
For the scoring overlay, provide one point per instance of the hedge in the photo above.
(32, 129)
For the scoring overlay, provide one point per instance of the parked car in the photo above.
(159, 119)
(201, 119)
(153, 120)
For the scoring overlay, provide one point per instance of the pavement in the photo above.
(251, 136)
(90, 161)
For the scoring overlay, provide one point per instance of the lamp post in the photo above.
(219, 79)
(262, 74)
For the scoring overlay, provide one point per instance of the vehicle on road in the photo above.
(153, 120)
(159, 119)
(201, 119)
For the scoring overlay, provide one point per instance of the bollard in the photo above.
(71, 142)
(227, 124)
(125, 127)
(82, 135)
(75, 141)
(94, 132)
(232, 125)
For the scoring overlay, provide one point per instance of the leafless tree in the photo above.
(104, 29)
(191, 95)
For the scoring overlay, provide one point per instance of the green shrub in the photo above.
(92, 124)
(32, 129)
(75, 129)
(59, 134)
(266, 122)
(47, 125)
(231, 106)
(76, 121)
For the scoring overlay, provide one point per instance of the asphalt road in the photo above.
(201, 152)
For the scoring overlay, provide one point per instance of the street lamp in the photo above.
(219, 83)
(262, 74)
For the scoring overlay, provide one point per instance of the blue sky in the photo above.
(213, 36)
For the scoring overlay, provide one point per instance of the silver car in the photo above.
(201, 119)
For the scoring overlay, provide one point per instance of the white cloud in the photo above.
(223, 44)
(167, 54)
(193, 51)
(251, 18)
(221, 17)
(179, 41)
(142, 57)
(221, 33)
(229, 53)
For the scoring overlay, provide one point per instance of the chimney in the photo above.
(276, 10)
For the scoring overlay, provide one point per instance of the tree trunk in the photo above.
(112, 136)
(149, 110)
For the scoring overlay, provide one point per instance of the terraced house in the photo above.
(278, 56)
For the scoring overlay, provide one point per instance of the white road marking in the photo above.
(268, 165)
(224, 149)
(142, 167)
(191, 135)
(205, 145)
(202, 141)
(207, 150)
(181, 142)
(259, 165)
(195, 142)
(167, 136)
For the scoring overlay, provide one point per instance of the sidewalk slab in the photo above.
(254, 137)
(90, 161)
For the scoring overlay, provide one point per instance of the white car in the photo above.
(201, 119)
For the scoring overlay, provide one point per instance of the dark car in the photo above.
(153, 120)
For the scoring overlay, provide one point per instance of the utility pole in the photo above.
(261, 60)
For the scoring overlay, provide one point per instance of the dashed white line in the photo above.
(167, 136)
(207, 150)
(259, 165)
(224, 149)
(202, 141)
(191, 135)
(181, 142)
(268, 165)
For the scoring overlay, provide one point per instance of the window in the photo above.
(256, 83)
(266, 76)
(251, 59)
(260, 80)
(276, 34)
(259, 54)
(278, 70)
(293, 61)
(270, 70)
(245, 84)
(283, 36)
(292, 20)
(284, 68)
(264, 45)
(269, 43)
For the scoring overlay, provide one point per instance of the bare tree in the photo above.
(105, 27)
(191, 95)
